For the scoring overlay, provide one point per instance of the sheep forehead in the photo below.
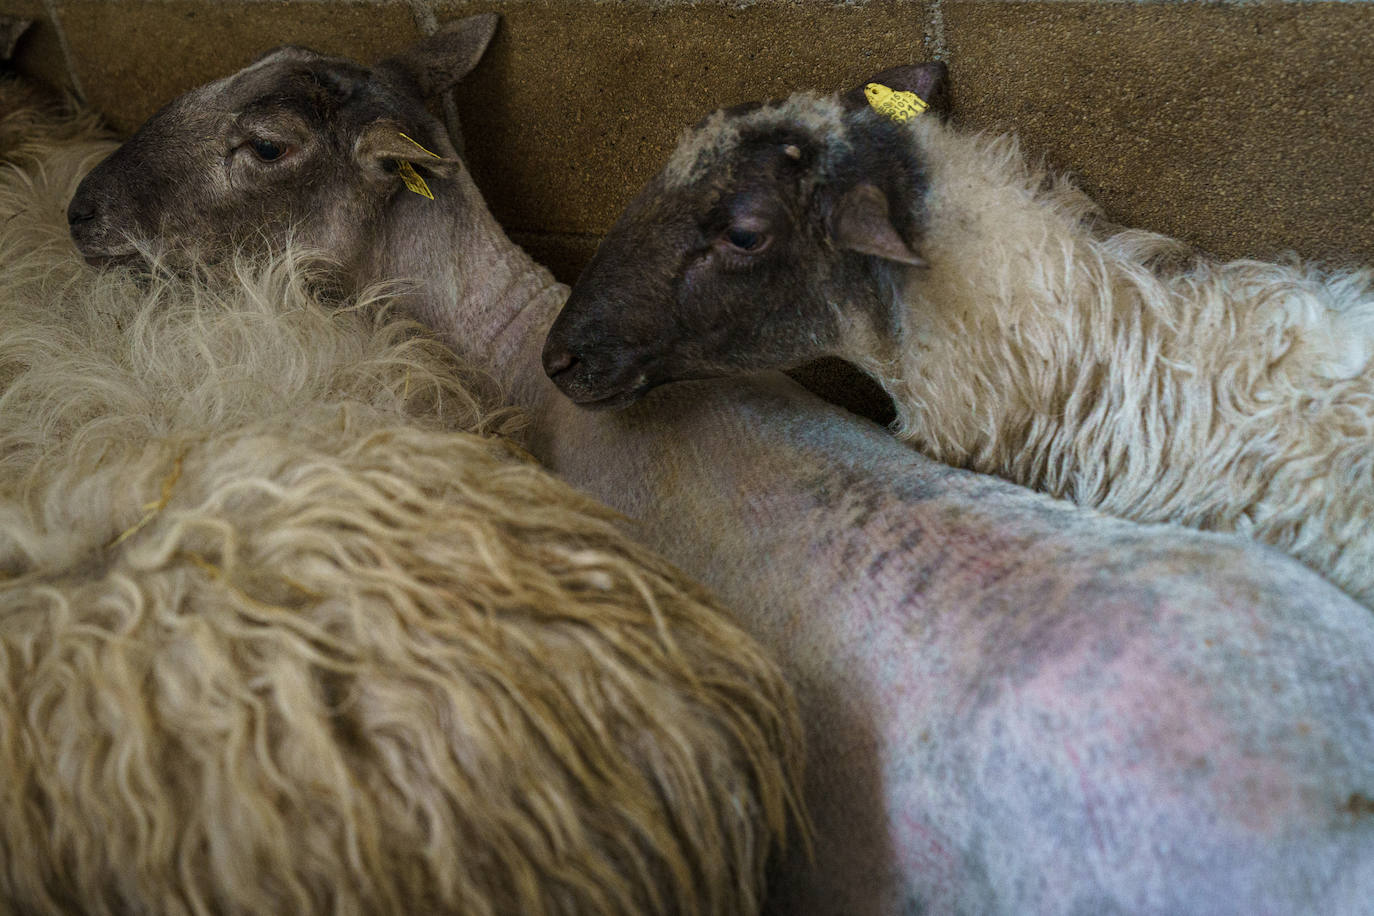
(281, 72)
(705, 147)
(267, 70)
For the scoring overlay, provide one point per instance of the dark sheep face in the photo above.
(296, 144)
(770, 233)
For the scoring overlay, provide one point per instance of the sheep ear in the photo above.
(438, 62)
(928, 80)
(383, 145)
(860, 222)
(10, 30)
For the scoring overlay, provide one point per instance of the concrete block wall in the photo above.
(1244, 127)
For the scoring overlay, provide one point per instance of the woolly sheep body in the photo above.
(276, 637)
(1122, 371)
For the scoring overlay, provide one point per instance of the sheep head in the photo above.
(766, 241)
(295, 143)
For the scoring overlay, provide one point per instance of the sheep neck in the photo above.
(473, 286)
(1028, 327)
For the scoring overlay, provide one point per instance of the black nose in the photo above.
(557, 359)
(81, 210)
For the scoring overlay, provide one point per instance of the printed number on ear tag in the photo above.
(412, 179)
(894, 104)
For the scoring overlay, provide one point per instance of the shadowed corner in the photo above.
(1358, 806)
(11, 27)
(843, 385)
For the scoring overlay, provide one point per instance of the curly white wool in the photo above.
(1122, 371)
(281, 630)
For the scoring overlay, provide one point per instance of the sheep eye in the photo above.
(745, 240)
(266, 150)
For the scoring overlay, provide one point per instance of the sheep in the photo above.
(286, 627)
(1016, 334)
(1012, 705)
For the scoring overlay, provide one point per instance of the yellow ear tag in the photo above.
(407, 171)
(894, 104)
(412, 179)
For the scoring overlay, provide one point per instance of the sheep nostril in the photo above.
(80, 212)
(558, 361)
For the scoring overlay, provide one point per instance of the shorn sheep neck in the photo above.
(471, 283)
